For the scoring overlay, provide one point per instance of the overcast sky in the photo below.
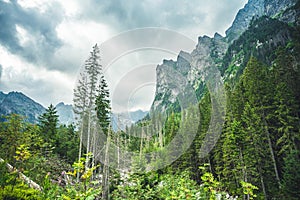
(44, 43)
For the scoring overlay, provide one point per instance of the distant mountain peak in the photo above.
(65, 113)
(60, 104)
(18, 103)
(123, 119)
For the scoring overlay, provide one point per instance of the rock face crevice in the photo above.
(210, 52)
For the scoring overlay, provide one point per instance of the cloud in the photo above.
(131, 78)
(201, 17)
(43, 43)
(135, 90)
(30, 33)
(43, 85)
(46, 34)
(0, 71)
(78, 36)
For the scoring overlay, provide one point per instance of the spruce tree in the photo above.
(291, 176)
(48, 123)
(85, 102)
(103, 105)
(285, 102)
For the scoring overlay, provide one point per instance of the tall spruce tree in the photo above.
(286, 104)
(85, 102)
(103, 108)
(92, 106)
(48, 123)
(103, 112)
(291, 176)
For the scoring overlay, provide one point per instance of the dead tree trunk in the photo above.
(27, 180)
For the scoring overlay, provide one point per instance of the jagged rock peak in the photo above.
(65, 113)
(184, 56)
(167, 62)
(204, 39)
(60, 104)
(211, 51)
(63, 104)
(217, 36)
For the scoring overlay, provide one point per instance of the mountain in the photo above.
(257, 30)
(257, 9)
(259, 64)
(121, 120)
(18, 103)
(65, 113)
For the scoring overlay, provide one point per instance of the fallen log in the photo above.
(27, 180)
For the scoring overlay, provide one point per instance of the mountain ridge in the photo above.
(211, 52)
(19, 103)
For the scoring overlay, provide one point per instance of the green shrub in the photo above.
(19, 192)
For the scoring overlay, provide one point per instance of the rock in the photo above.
(258, 8)
(65, 113)
(210, 52)
(18, 103)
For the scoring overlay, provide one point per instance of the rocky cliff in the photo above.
(228, 53)
(278, 9)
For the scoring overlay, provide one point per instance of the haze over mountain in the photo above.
(18, 103)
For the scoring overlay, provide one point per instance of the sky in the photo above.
(44, 43)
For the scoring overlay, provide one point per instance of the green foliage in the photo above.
(260, 127)
(171, 126)
(12, 135)
(19, 192)
(153, 186)
(5, 177)
(11, 187)
(178, 186)
(210, 187)
(291, 176)
(248, 189)
(48, 123)
(22, 153)
(85, 189)
(66, 143)
(102, 102)
(103, 105)
(138, 186)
